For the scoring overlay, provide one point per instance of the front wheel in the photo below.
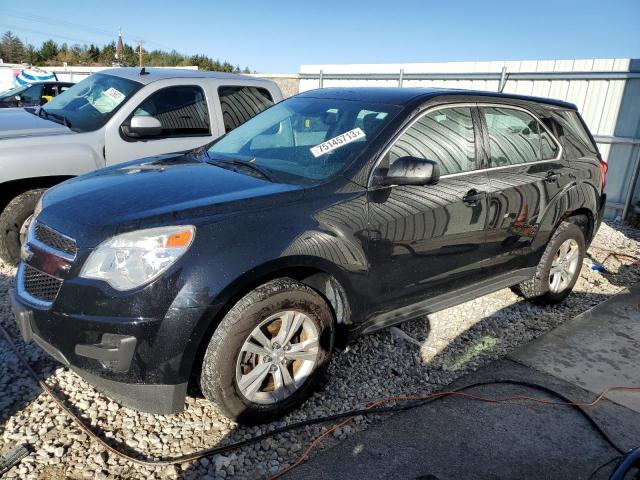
(269, 352)
(14, 221)
(558, 269)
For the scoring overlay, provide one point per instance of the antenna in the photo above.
(140, 43)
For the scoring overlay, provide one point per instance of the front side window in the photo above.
(32, 95)
(239, 104)
(444, 136)
(305, 139)
(182, 110)
(89, 104)
(516, 137)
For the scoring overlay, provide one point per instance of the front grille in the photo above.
(53, 239)
(40, 285)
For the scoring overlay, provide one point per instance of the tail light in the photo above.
(603, 171)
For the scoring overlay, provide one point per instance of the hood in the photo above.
(18, 122)
(170, 189)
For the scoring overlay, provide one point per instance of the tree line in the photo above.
(13, 50)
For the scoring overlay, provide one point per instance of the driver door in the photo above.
(425, 241)
(183, 111)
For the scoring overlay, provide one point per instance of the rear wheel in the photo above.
(14, 221)
(558, 269)
(269, 352)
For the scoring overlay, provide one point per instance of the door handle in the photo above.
(472, 197)
(551, 177)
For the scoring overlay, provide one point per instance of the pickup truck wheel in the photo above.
(269, 352)
(558, 269)
(13, 223)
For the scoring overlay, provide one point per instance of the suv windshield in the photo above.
(88, 105)
(305, 139)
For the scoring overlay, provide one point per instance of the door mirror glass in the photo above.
(144, 126)
(411, 171)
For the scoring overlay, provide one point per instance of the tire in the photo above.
(12, 219)
(539, 289)
(227, 364)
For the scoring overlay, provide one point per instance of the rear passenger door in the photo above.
(526, 177)
(429, 240)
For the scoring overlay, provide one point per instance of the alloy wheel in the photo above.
(277, 357)
(564, 266)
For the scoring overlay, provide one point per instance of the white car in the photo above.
(111, 117)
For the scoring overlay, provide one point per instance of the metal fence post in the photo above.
(321, 79)
(401, 78)
(632, 186)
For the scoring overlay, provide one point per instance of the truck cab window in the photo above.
(239, 104)
(181, 110)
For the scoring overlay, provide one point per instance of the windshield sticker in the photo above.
(337, 142)
(115, 94)
(106, 101)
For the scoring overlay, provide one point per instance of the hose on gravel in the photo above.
(373, 408)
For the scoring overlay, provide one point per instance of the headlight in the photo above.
(132, 259)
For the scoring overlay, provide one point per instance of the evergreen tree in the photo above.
(32, 55)
(94, 53)
(48, 51)
(11, 48)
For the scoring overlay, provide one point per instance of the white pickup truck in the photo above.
(114, 116)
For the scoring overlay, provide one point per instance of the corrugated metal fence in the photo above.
(607, 92)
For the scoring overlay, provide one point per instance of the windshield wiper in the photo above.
(243, 164)
(57, 116)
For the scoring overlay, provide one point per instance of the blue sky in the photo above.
(278, 37)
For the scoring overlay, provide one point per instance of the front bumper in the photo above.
(138, 362)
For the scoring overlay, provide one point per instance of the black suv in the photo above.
(334, 213)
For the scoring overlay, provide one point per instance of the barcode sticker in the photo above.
(337, 142)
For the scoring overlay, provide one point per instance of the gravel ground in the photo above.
(451, 343)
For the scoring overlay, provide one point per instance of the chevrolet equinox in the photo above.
(334, 213)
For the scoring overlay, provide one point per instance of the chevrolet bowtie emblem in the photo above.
(25, 253)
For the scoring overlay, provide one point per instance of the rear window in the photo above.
(239, 104)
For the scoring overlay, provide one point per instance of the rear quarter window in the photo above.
(573, 134)
(239, 104)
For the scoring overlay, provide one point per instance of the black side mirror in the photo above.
(411, 171)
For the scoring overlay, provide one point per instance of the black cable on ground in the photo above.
(157, 462)
(12, 457)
